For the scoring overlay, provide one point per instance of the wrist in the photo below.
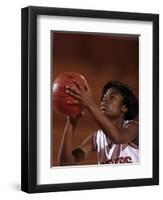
(72, 122)
(91, 105)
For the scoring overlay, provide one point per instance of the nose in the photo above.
(104, 100)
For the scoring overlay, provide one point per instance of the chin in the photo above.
(108, 115)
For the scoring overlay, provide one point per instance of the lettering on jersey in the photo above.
(118, 160)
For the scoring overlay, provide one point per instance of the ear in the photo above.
(124, 109)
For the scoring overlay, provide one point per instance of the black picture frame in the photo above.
(29, 98)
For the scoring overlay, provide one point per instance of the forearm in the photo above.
(65, 152)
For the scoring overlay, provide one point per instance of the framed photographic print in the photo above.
(90, 99)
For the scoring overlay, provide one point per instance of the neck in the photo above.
(117, 121)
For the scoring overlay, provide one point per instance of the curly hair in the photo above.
(129, 99)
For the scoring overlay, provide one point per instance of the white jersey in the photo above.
(110, 153)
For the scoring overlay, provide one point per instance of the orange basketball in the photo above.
(60, 97)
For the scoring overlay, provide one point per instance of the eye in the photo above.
(104, 99)
(111, 97)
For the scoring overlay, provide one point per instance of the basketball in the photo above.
(60, 97)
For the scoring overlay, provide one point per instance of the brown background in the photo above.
(99, 58)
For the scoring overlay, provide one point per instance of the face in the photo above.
(112, 104)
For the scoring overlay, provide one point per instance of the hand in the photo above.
(82, 96)
(74, 119)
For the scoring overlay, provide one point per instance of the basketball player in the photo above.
(116, 141)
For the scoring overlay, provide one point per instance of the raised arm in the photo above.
(67, 155)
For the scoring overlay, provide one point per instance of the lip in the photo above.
(103, 110)
(103, 104)
(103, 107)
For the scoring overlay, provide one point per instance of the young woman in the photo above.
(116, 141)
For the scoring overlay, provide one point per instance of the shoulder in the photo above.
(133, 127)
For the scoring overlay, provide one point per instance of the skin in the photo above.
(109, 117)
